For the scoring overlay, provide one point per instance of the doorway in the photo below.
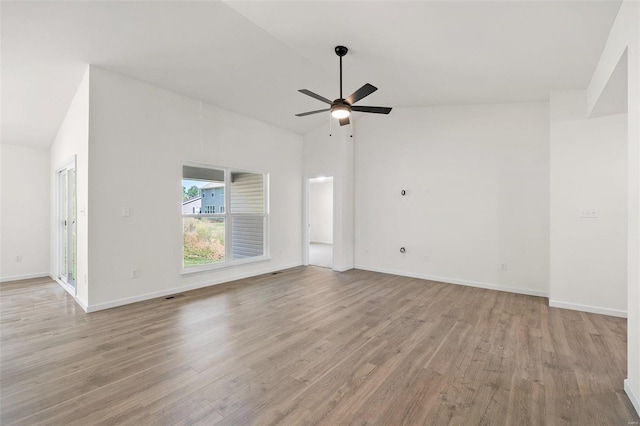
(320, 222)
(66, 179)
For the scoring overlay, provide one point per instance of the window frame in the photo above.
(228, 216)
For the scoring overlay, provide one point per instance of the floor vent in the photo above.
(175, 296)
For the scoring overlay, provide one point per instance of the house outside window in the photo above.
(210, 191)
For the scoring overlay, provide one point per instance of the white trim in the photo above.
(24, 277)
(305, 221)
(333, 231)
(174, 290)
(306, 235)
(71, 290)
(633, 395)
(448, 280)
(587, 308)
(228, 218)
(223, 265)
(82, 304)
(266, 182)
(69, 164)
(343, 268)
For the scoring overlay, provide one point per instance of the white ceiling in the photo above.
(251, 57)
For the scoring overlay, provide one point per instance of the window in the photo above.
(247, 208)
(215, 235)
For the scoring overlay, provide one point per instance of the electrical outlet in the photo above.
(134, 273)
(426, 259)
(19, 258)
(588, 213)
(126, 212)
(503, 266)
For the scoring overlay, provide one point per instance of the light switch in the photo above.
(126, 212)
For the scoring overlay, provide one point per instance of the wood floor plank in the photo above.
(309, 346)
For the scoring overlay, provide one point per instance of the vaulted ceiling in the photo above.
(252, 57)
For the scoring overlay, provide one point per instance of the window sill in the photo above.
(223, 265)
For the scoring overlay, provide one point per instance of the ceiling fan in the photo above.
(341, 108)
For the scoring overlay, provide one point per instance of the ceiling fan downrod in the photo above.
(341, 51)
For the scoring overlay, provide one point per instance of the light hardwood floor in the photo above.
(308, 346)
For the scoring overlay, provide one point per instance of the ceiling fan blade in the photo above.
(375, 110)
(315, 95)
(344, 121)
(302, 114)
(362, 92)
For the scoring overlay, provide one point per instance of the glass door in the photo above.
(67, 226)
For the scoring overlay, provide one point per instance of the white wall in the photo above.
(588, 170)
(140, 135)
(321, 212)
(72, 142)
(24, 212)
(624, 38)
(325, 155)
(477, 182)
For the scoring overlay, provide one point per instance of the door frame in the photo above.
(306, 225)
(67, 166)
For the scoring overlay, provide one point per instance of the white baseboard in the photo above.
(634, 396)
(24, 277)
(449, 280)
(174, 290)
(588, 308)
(343, 268)
(82, 304)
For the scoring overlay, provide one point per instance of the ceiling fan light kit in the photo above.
(341, 108)
(341, 111)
